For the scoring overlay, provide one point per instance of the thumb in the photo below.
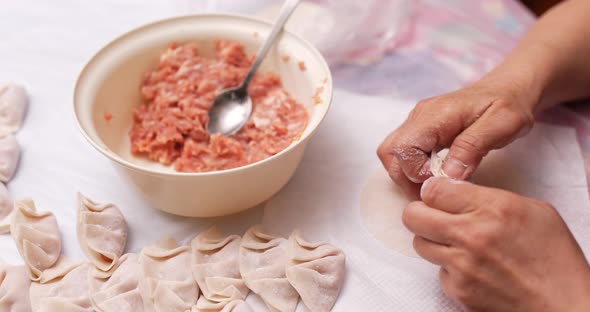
(499, 125)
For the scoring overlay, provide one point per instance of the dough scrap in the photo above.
(37, 238)
(163, 286)
(14, 283)
(263, 260)
(102, 233)
(13, 107)
(119, 290)
(316, 271)
(215, 267)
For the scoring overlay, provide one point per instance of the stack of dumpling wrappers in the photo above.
(13, 107)
(215, 273)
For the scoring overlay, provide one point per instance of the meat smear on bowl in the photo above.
(170, 127)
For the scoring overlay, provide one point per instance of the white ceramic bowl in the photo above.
(110, 83)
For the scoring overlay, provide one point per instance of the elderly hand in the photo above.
(498, 251)
(471, 121)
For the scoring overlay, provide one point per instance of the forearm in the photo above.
(551, 64)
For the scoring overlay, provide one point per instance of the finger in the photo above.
(391, 164)
(411, 146)
(411, 160)
(385, 151)
(432, 224)
(498, 125)
(446, 282)
(448, 195)
(455, 196)
(410, 189)
(414, 162)
(431, 251)
(413, 141)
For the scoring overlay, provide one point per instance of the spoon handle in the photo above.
(286, 11)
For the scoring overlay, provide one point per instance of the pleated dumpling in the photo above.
(6, 209)
(237, 306)
(14, 285)
(68, 292)
(119, 290)
(9, 156)
(206, 305)
(13, 106)
(36, 235)
(316, 270)
(216, 268)
(62, 267)
(166, 283)
(262, 265)
(102, 233)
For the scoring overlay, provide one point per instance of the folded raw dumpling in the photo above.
(13, 106)
(63, 293)
(316, 270)
(216, 268)
(9, 156)
(14, 285)
(166, 283)
(237, 306)
(206, 305)
(119, 290)
(102, 233)
(262, 265)
(62, 267)
(36, 236)
(234, 304)
(57, 304)
(6, 209)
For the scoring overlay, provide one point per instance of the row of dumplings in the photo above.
(215, 273)
(13, 106)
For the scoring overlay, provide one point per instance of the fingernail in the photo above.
(424, 186)
(455, 168)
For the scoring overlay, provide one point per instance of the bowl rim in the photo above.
(121, 38)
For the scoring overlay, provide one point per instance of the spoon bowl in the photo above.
(230, 111)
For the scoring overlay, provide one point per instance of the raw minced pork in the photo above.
(170, 126)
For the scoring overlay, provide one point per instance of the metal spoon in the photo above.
(232, 107)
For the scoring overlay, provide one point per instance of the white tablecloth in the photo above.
(44, 45)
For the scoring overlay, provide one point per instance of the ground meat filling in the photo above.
(170, 127)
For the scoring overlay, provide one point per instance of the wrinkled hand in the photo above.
(498, 251)
(471, 121)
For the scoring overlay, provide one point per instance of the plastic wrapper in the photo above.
(343, 30)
